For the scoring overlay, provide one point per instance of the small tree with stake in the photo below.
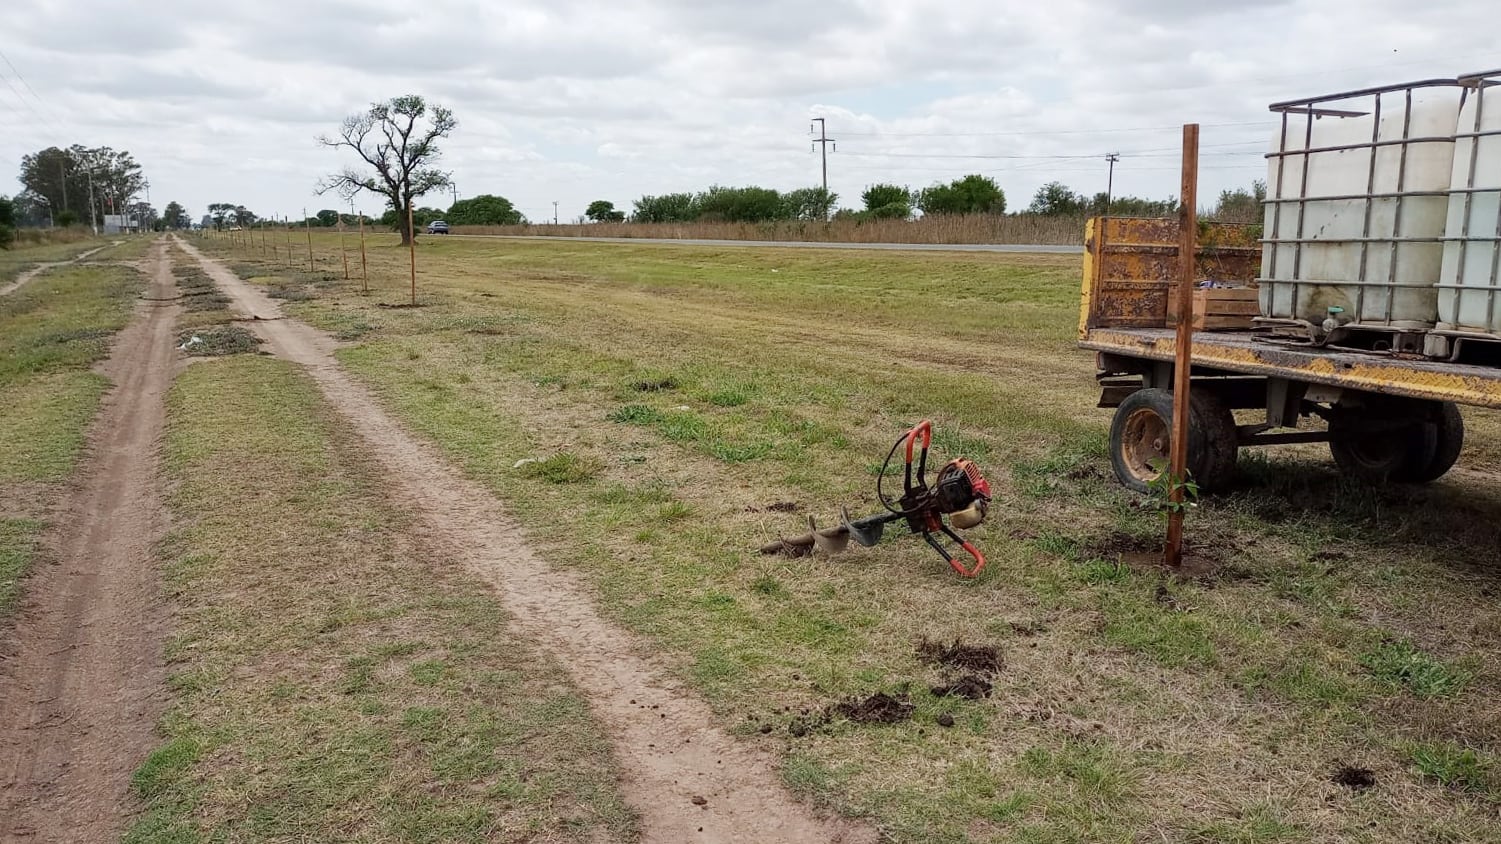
(398, 139)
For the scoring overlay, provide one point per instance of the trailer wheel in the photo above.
(1141, 437)
(1382, 455)
(1448, 431)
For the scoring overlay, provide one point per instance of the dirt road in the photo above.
(81, 677)
(689, 780)
(37, 270)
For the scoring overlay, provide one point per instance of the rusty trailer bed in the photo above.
(1243, 352)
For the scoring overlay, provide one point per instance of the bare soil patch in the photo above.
(81, 681)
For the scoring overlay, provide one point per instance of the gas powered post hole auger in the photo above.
(959, 496)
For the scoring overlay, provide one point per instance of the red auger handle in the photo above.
(923, 429)
(972, 571)
(955, 563)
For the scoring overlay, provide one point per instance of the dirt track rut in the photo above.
(32, 273)
(665, 741)
(81, 677)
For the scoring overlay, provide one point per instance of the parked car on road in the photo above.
(437, 227)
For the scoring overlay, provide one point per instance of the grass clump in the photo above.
(1455, 766)
(1399, 663)
(562, 468)
(218, 341)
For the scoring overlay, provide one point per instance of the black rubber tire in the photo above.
(1220, 440)
(1448, 431)
(1140, 435)
(1381, 457)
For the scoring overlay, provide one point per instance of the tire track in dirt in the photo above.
(81, 679)
(37, 270)
(665, 740)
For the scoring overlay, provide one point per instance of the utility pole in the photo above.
(555, 212)
(455, 186)
(62, 173)
(824, 140)
(92, 224)
(1111, 157)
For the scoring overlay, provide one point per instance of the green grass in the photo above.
(333, 678)
(51, 333)
(1131, 706)
(15, 261)
(1460, 768)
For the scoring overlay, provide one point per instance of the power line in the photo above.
(34, 96)
(1042, 132)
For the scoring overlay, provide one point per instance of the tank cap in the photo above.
(1335, 309)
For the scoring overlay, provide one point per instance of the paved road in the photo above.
(808, 244)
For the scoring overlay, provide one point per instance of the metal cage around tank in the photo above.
(1473, 230)
(1383, 301)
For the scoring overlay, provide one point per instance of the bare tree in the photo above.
(398, 139)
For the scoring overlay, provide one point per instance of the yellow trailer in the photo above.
(1388, 415)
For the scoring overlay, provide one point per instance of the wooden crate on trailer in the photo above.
(1221, 309)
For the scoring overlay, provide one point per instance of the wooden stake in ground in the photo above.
(307, 224)
(364, 274)
(288, 224)
(263, 238)
(1188, 231)
(412, 250)
(343, 253)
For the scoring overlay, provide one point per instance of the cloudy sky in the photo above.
(570, 101)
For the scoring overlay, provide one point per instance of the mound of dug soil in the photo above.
(977, 659)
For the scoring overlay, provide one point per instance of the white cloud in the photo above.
(572, 101)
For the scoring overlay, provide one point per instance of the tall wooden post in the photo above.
(307, 224)
(364, 271)
(343, 253)
(412, 250)
(288, 224)
(1188, 235)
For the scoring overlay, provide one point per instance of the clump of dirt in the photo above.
(776, 507)
(977, 659)
(879, 708)
(655, 385)
(969, 686)
(218, 341)
(390, 306)
(1353, 778)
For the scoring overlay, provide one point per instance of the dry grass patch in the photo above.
(1129, 706)
(332, 679)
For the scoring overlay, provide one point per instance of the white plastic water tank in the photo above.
(1470, 291)
(1368, 241)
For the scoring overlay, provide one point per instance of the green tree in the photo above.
(7, 223)
(1241, 205)
(484, 210)
(63, 178)
(740, 205)
(667, 208)
(328, 217)
(398, 141)
(809, 204)
(1054, 199)
(175, 216)
(603, 211)
(887, 202)
(973, 194)
(220, 212)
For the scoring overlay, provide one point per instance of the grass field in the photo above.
(1334, 680)
(51, 333)
(330, 682)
